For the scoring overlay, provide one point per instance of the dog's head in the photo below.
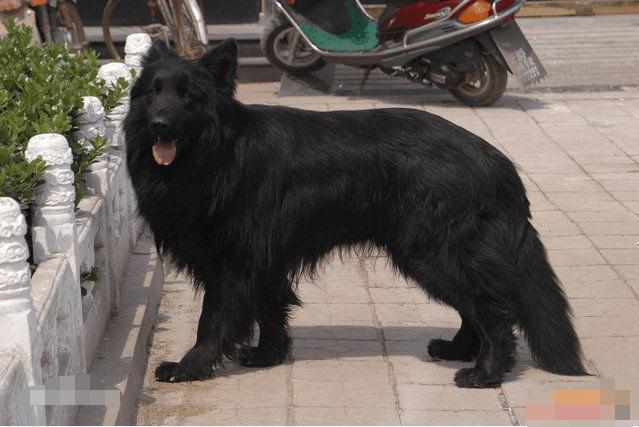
(174, 101)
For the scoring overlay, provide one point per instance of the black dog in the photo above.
(247, 198)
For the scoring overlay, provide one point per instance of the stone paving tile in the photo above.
(454, 418)
(412, 370)
(617, 241)
(610, 347)
(539, 202)
(605, 307)
(407, 294)
(612, 227)
(403, 313)
(554, 223)
(424, 332)
(332, 314)
(576, 182)
(328, 349)
(360, 351)
(617, 326)
(322, 294)
(582, 273)
(567, 257)
(341, 371)
(625, 195)
(309, 415)
(585, 201)
(247, 416)
(621, 256)
(360, 394)
(613, 288)
(526, 371)
(628, 272)
(603, 217)
(566, 242)
(441, 397)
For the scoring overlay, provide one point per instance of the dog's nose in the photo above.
(159, 124)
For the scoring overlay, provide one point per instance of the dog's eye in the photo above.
(154, 91)
(185, 94)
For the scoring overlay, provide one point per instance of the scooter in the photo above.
(465, 46)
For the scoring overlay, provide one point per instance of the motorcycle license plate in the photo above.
(519, 55)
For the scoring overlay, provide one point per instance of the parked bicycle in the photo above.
(58, 21)
(185, 29)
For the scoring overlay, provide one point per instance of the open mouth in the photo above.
(164, 151)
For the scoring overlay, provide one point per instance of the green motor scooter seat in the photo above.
(361, 35)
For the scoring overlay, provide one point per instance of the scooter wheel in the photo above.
(278, 37)
(487, 89)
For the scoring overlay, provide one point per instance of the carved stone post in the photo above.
(54, 228)
(134, 49)
(90, 119)
(101, 181)
(110, 73)
(90, 123)
(17, 315)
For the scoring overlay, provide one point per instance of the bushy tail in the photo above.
(546, 316)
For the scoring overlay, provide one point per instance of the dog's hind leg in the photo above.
(480, 289)
(464, 346)
(274, 345)
(496, 355)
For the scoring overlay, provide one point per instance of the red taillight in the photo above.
(291, 2)
(475, 12)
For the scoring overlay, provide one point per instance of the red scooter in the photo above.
(464, 46)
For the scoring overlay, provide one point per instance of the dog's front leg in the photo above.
(223, 324)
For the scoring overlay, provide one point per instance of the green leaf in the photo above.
(41, 87)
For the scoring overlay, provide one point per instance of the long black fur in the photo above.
(258, 195)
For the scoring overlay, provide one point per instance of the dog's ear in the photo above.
(158, 50)
(221, 61)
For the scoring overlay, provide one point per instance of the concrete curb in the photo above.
(121, 358)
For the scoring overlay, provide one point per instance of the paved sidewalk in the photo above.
(359, 352)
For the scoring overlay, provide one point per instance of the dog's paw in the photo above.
(171, 372)
(254, 358)
(476, 378)
(445, 350)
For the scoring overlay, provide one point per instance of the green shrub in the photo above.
(41, 88)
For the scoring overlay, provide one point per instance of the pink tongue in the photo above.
(164, 152)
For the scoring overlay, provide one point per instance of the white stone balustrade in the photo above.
(20, 336)
(135, 48)
(48, 331)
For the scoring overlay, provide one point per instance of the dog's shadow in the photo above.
(362, 343)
